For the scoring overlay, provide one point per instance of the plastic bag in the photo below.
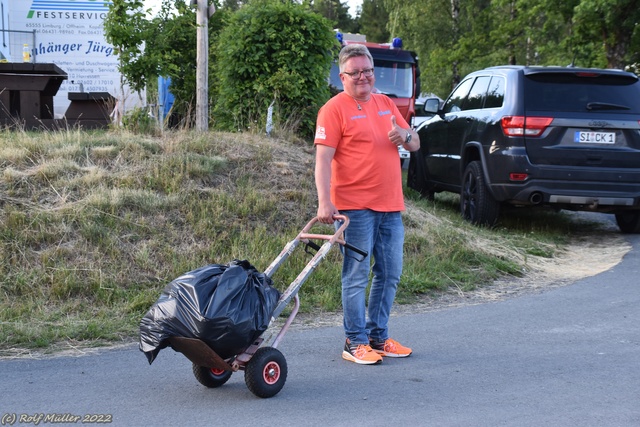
(226, 306)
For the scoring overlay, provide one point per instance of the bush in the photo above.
(273, 52)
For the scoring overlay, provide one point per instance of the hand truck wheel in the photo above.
(266, 372)
(211, 377)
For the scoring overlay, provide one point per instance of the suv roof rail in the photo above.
(531, 69)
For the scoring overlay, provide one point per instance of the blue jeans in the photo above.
(381, 234)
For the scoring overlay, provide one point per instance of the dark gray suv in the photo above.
(568, 138)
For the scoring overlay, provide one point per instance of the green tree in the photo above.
(273, 51)
(548, 32)
(127, 29)
(336, 12)
(431, 28)
(453, 38)
(612, 24)
(374, 20)
(232, 4)
(174, 45)
(281, 58)
(174, 49)
(163, 46)
(527, 32)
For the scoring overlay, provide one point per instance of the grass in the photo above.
(93, 225)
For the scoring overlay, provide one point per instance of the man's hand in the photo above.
(326, 212)
(397, 135)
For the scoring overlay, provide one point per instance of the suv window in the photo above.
(477, 94)
(495, 94)
(457, 97)
(567, 92)
(484, 92)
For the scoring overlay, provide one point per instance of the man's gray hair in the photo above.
(352, 51)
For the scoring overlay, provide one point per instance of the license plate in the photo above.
(595, 137)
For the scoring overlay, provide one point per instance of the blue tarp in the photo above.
(166, 98)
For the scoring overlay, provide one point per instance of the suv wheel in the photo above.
(628, 222)
(476, 203)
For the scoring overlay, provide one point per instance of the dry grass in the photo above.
(93, 226)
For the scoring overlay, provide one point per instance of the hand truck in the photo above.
(264, 366)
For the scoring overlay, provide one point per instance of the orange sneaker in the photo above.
(361, 354)
(390, 348)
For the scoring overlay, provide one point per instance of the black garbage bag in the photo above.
(226, 306)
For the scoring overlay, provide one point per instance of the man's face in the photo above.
(360, 87)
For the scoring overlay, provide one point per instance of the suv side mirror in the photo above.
(431, 105)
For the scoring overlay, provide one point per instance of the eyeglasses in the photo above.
(367, 72)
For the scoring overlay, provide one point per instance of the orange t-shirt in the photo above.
(365, 171)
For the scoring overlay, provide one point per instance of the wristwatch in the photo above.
(407, 139)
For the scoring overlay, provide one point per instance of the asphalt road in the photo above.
(567, 357)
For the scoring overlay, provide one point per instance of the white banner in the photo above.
(70, 34)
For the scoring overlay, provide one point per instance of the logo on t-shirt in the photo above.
(384, 113)
(320, 133)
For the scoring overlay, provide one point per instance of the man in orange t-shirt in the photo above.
(358, 174)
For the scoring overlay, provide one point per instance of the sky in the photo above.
(353, 4)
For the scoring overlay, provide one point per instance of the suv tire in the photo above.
(628, 222)
(477, 205)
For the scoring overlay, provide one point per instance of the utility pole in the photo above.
(202, 69)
